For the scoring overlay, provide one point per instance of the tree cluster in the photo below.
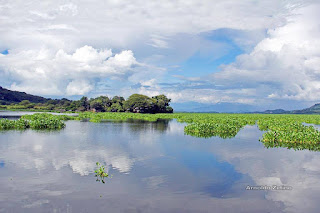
(136, 103)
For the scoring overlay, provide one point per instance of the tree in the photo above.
(169, 109)
(117, 107)
(84, 103)
(25, 102)
(97, 105)
(117, 99)
(162, 103)
(139, 103)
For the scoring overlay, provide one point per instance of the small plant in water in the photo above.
(100, 173)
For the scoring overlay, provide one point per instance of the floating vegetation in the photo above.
(289, 133)
(38, 121)
(227, 125)
(207, 130)
(43, 116)
(20, 124)
(100, 173)
(281, 130)
(98, 117)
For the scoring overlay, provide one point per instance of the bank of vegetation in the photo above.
(135, 103)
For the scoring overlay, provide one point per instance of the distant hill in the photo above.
(9, 96)
(315, 109)
(213, 108)
(275, 111)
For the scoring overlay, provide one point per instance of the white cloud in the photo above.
(58, 45)
(78, 88)
(58, 73)
(286, 62)
(122, 22)
(69, 8)
(158, 41)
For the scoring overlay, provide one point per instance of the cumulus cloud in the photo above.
(64, 48)
(286, 62)
(122, 22)
(81, 87)
(59, 73)
(282, 66)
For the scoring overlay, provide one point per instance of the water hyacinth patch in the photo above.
(38, 121)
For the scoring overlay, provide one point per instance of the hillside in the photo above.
(9, 96)
(274, 111)
(315, 109)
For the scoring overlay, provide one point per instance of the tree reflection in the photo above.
(293, 145)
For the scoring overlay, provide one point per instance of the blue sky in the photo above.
(205, 55)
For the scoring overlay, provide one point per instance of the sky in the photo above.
(206, 55)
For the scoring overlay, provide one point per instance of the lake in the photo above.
(154, 168)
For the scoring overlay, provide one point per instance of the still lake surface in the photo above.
(154, 168)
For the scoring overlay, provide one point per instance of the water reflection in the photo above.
(136, 125)
(8, 114)
(292, 145)
(155, 168)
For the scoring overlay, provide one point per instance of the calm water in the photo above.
(154, 168)
(17, 114)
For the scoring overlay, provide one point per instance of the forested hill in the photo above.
(8, 96)
(137, 103)
(315, 109)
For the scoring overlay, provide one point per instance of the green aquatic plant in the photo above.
(43, 116)
(6, 124)
(292, 136)
(100, 173)
(38, 121)
(207, 130)
(19, 124)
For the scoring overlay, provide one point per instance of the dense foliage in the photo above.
(135, 103)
